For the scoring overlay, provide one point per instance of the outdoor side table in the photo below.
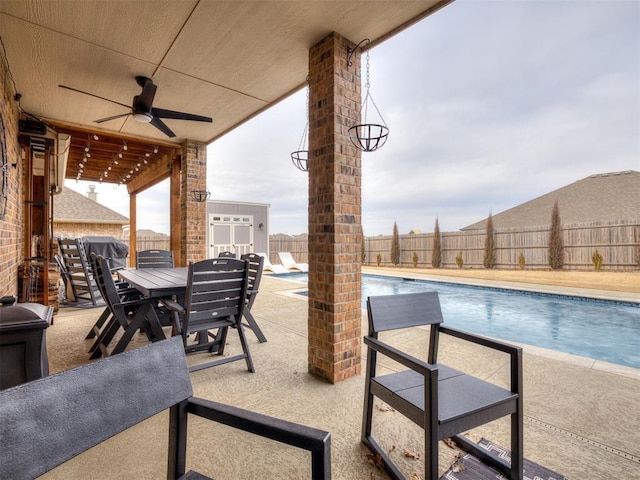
(23, 350)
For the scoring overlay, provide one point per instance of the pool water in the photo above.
(599, 329)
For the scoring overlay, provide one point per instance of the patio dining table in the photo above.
(156, 282)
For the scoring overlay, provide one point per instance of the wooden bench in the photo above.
(46, 422)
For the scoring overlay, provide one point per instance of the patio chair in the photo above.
(154, 259)
(272, 267)
(215, 300)
(79, 274)
(256, 263)
(441, 400)
(49, 421)
(130, 315)
(290, 264)
(227, 254)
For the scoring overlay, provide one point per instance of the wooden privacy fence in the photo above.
(617, 242)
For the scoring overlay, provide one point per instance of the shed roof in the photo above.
(71, 206)
(603, 197)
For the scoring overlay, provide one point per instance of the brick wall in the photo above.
(11, 226)
(194, 221)
(334, 321)
(77, 230)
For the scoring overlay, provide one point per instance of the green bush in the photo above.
(379, 259)
(415, 259)
(459, 261)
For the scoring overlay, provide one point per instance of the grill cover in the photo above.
(108, 247)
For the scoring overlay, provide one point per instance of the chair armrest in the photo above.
(316, 441)
(415, 364)
(171, 304)
(484, 341)
(514, 352)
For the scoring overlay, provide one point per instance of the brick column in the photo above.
(335, 212)
(194, 222)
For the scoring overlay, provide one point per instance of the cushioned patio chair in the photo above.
(290, 264)
(49, 421)
(441, 400)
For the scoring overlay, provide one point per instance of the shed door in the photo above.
(232, 233)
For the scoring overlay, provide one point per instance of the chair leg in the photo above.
(253, 325)
(517, 461)
(95, 330)
(245, 346)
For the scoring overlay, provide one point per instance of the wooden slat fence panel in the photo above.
(618, 242)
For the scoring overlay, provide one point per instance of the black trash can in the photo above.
(23, 349)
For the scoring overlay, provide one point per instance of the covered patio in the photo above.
(70, 70)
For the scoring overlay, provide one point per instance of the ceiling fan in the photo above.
(143, 110)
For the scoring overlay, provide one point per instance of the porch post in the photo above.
(335, 213)
(193, 220)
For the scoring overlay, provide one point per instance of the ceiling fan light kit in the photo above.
(142, 108)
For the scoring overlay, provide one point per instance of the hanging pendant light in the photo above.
(368, 136)
(300, 157)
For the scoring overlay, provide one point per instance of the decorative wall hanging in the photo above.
(367, 136)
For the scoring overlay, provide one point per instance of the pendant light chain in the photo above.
(365, 103)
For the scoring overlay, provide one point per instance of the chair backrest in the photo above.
(63, 270)
(46, 422)
(154, 259)
(226, 254)
(390, 312)
(216, 289)
(256, 264)
(107, 286)
(80, 273)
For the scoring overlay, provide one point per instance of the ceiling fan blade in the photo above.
(144, 101)
(96, 96)
(162, 113)
(160, 125)
(113, 117)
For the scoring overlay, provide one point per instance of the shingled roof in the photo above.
(604, 197)
(71, 206)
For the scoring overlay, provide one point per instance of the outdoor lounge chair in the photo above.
(272, 267)
(441, 400)
(256, 263)
(79, 273)
(290, 264)
(46, 422)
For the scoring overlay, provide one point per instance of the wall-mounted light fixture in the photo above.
(200, 195)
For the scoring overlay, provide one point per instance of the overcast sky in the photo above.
(489, 104)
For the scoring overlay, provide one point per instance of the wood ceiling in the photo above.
(229, 60)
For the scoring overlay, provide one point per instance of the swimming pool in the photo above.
(599, 329)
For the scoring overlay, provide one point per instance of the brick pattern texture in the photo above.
(194, 214)
(335, 212)
(11, 226)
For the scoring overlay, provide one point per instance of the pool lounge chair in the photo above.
(290, 264)
(268, 266)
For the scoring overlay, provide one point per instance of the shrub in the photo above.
(395, 245)
(489, 245)
(596, 259)
(459, 260)
(436, 255)
(379, 259)
(521, 261)
(415, 259)
(555, 240)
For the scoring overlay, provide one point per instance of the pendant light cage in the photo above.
(300, 157)
(369, 136)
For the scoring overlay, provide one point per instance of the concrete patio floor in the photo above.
(581, 417)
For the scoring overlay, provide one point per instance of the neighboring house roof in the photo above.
(603, 197)
(71, 206)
